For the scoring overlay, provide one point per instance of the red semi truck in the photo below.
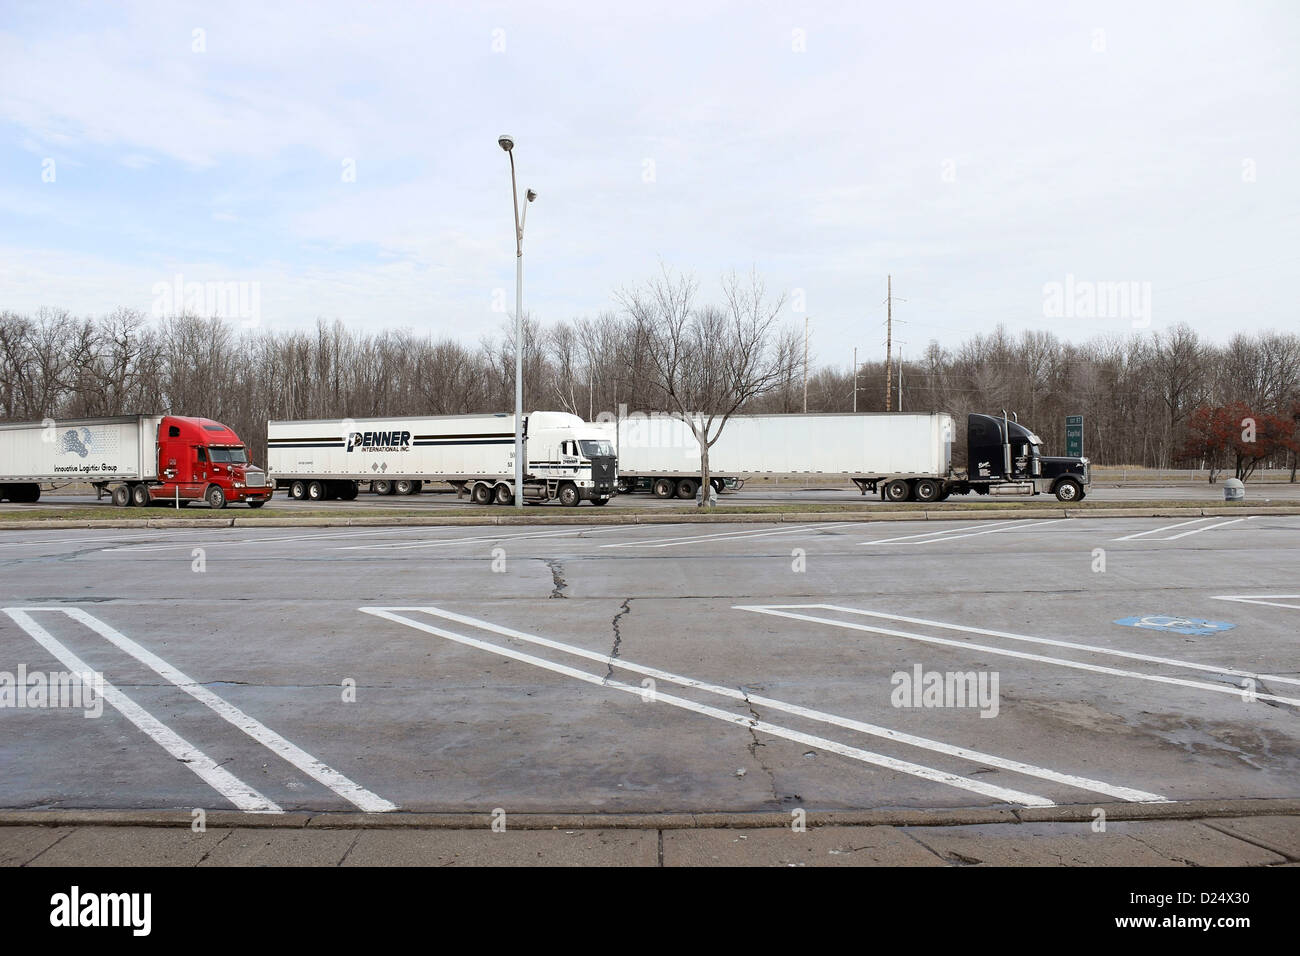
(137, 459)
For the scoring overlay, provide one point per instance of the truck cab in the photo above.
(563, 450)
(204, 460)
(1007, 458)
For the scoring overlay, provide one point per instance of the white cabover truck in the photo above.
(902, 455)
(567, 460)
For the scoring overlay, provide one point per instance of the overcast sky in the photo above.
(978, 152)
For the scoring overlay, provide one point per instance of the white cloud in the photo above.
(823, 169)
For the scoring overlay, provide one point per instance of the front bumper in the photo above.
(597, 491)
(250, 494)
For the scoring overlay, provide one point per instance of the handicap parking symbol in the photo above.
(1178, 625)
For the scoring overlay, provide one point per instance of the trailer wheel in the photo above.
(663, 488)
(22, 494)
(1067, 489)
(624, 486)
(481, 494)
(898, 490)
(718, 485)
(927, 489)
(686, 488)
(348, 491)
(316, 491)
(140, 495)
(403, 486)
(382, 486)
(569, 496)
(122, 496)
(298, 490)
(216, 498)
(503, 495)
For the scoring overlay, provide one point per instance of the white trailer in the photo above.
(567, 460)
(95, 450)
(659, 453)
(902, 455)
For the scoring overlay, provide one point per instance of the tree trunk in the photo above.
(705, 487)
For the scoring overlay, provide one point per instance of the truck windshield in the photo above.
(235, 455)
(593, 449)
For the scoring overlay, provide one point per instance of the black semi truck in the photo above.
(1003, 458)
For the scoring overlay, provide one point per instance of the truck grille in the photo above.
(255, 479)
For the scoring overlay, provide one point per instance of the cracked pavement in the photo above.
(454, 724)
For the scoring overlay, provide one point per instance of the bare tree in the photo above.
(707, 362)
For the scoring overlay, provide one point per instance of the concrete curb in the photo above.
(775, 517)
(1074, 813)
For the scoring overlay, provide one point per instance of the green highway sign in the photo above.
(1074, 436)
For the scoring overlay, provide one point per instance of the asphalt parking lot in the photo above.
(658, 669)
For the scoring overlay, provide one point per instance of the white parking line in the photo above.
(109, 534)
(1221, 524)
(1259, 599)
(722, 535)
(1168, 527)
(1052, 642)
(1097, 786)
(217, 777)
(449, 542)
(354, 793)
(371, 532)
(1182, 524)
(952, 531)
(890, 763)
(973, 534)
(782, 610)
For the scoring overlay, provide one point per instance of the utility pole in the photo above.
(889, 343)
(855, 378)
(806, 320)
(900, 380)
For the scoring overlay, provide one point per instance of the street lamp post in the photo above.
(507, 143)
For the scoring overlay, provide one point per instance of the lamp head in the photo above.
(530, 195)
(506, 142)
